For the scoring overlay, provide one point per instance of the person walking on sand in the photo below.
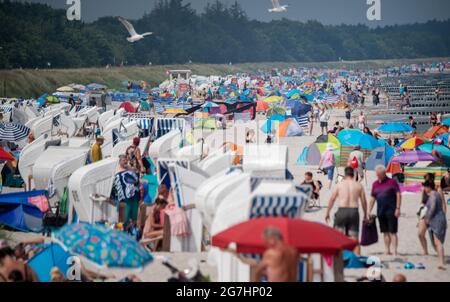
(327, 163)
(279, 262)
(356, 161)
(324, 118)
(361, 121)
(435, 221)
(348, 115)
(386, 193)
(349, 193)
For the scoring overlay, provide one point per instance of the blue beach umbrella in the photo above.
(103, 247)
(394, 127)
(446, 122)
(357, 138)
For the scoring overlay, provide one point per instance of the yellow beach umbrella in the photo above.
(273, 99)
(174, 111)
(412, 143)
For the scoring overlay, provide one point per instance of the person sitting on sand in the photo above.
(435, 221)
(279, 262)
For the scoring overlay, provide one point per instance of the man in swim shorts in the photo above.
(350, 193)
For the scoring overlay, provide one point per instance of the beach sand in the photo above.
(409, 246)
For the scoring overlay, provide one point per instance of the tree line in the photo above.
(38, 36)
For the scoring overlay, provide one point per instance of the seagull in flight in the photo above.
(277, 8)
(134, 36)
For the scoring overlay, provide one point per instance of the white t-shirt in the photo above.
(324, 116)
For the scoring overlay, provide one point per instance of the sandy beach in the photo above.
(409, 247)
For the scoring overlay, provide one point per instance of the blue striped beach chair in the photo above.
(163, 169)
(291, 206)
(165, 125)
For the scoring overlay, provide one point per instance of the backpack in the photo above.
(354, 163)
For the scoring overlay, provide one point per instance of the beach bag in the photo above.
(369, 233)
(354, 163)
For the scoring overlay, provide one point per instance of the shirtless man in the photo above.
(279, 262)
(346, 219)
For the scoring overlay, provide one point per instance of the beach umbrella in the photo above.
(103, 247)
(357, 138)
(52, 255)
(12, 132)
(65, 89)
(275, 110)
(95, 86)
(395, 127)
(130, 108)
(413, 157)
(174, 111)
(51, 99)
(5, 155)
(446, 122)
(441, 150)
(262, 106)
(412, 143)
(273, 99)
(305, 236)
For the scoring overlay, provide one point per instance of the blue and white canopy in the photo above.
(12, 132)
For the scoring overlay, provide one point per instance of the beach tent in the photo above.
(316, 150)
(313, 155)
(17, 210)
(52, 255)
(434, 131)
(289, 128)
(301, 160)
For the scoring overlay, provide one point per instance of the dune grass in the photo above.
(28, 83)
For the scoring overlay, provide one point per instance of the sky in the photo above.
(325, 11)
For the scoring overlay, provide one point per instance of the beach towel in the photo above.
(179, 224)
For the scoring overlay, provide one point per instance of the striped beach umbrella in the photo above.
(12, 132)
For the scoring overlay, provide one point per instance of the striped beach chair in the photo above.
(165, 125)
(163, 169)
(303, 121)
(278, 206)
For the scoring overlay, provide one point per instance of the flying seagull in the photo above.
(134, 36)
(277, 8)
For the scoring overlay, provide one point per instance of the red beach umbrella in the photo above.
(305, 236)
(5, 155)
